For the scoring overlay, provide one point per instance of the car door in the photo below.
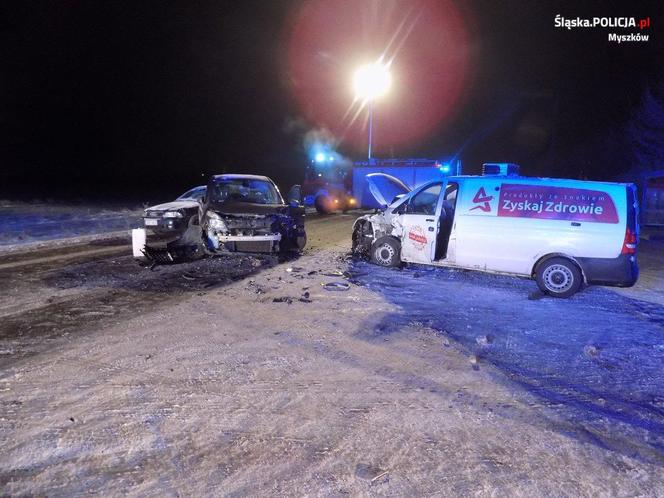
(420, 222)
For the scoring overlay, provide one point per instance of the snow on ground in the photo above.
(595, 359)
(24, 223)
(242, 375)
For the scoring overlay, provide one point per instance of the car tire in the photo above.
(300, 242)
(322, 204)
(558, 277)
(293, 245)
(355, 238)
(386, 251)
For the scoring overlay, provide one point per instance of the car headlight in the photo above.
(172, 214)
(215, 222)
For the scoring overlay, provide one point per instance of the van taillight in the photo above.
(629, 245)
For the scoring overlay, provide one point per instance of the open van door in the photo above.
(420, 221)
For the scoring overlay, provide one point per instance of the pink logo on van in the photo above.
(556, 203)
(483, 200)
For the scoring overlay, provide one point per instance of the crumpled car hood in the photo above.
(172, 206)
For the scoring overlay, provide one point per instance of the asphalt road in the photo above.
(52, 292)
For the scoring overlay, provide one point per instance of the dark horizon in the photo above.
(129, 101)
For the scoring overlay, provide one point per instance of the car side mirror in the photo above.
(294, 196)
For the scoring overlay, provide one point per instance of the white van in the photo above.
(560, 232)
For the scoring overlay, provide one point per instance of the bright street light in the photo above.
(370, 82)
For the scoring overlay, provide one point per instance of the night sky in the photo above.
(138, 100)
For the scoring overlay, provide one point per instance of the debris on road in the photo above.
(591, 351)
(336, 286)
(484, 340)
(333, 273)
(382, 474)
(283, 299)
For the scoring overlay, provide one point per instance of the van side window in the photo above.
(451, 193)
(449, 201)
(425, 201)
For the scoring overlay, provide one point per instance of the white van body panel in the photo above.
(513, 244)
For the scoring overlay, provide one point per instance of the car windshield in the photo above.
(195, 193)
(245, 190)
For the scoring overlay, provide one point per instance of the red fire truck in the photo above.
(333, 184)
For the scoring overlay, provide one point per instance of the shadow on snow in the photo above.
(594, 359)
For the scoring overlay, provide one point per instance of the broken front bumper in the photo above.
(167, 249)
(245, 243)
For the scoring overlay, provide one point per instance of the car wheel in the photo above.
(558, 277)
(301, 241)
(292, 245)
(386, 252)
(355, 239)
(322, 204)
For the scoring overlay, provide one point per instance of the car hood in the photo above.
(240, 208)
(385, 188)
(174, 205)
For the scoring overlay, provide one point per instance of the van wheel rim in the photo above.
(558, 278)
(384, 254)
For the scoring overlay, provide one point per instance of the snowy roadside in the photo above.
(27, 225)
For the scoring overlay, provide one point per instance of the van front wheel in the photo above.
(386, 252)
(558, 277)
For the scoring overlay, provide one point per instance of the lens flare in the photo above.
(421, 66)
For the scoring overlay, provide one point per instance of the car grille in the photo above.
(254, 246)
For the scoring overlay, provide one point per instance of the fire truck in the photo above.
(335, 184)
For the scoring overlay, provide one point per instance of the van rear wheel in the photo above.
(386, 252)
(558, 277)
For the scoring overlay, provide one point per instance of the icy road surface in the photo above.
(241, 375)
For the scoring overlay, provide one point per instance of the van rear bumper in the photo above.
(622, 271)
